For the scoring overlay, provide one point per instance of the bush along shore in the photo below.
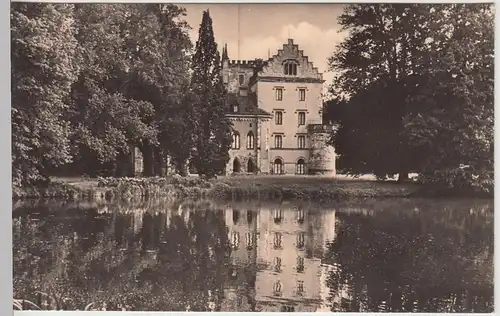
(238, 188)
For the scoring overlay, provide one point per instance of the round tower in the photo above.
(322, 159)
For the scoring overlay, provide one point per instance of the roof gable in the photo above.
(290, 51)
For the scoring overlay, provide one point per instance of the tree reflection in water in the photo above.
(408, 256)
(437, 258)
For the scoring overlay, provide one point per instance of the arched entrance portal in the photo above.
(250, 166)
(236, 165)
(278, 166)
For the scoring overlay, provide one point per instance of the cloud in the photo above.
(318, 44)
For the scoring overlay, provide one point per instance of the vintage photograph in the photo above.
(252, 157)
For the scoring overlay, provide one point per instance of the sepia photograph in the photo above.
(252, 157)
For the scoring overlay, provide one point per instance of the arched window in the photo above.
(250, 166)
(236, 165)
(301, 166)
(241, 79)
(278, 166)
(236, 140)
(250, 140)
(290, 68)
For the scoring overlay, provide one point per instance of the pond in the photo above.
(371, 256)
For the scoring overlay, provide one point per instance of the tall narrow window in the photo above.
(250, 140)
(279, 94)
(301, 141)
(278, 117)
(301, 240)
(241, 79)
(278, 166)
(236, 140)
(301, 166)
(277, 288)
(290, 68)
(300, 264)
(302, 118)
(277, 264)
(278, 141)
(236, 108)
(278, 215)
(277, 241)
(302, 94)
(235, 240)
(300, 288)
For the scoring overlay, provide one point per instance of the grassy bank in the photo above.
(234, 187)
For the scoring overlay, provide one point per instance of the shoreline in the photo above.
(265, 188)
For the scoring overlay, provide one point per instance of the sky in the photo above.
(264, 28)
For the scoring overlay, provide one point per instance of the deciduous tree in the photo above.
(44, 65)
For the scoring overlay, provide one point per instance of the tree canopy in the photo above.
(414, 87)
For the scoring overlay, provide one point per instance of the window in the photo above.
(250, 140)
(278, 215)
(236, 140)
(249, 217)
(241, 79)
(300, 215)
(279, 94)
(278, 117)
(301, 166)
(235, 240)
(236, 108)
(302, 118)
(301, 141)
(277, 241)
(302, 94)
(278, 166)
(277, 264)
(301, 240)
(236, 216)
(278, 141)
(300, 264)
(249, 240)
(277, 288)
(290, 68)
(300, 288)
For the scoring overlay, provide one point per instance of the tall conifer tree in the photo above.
(212, 130)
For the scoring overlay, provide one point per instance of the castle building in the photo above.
(275, 107)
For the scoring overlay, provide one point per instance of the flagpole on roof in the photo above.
(239, 15)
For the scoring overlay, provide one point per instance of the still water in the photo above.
(375, 256)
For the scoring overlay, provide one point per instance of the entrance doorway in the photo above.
(236, 165)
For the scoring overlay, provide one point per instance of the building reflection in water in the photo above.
(276, 258)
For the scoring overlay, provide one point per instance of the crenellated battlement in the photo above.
(245, 63)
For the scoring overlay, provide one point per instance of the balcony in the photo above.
(319, 128)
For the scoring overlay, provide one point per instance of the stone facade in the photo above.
(277, 101)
